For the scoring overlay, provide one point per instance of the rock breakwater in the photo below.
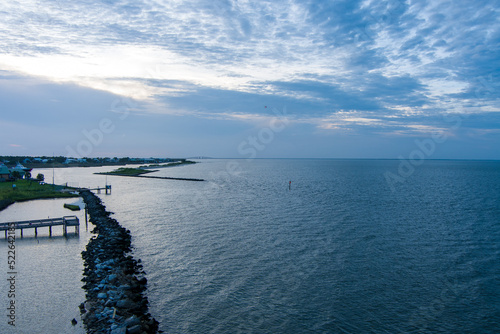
(114, 281)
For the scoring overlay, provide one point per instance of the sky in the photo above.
(251, 79)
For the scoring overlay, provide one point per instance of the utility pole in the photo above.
(53, 159)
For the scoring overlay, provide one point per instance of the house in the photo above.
(23, 171)
(4, 172)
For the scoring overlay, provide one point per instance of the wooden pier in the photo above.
(38, 223)
(107, 188)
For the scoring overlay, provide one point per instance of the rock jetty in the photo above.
(114, 281)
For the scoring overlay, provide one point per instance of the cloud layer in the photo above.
(374, 68)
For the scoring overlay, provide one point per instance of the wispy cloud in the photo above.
(386, 61)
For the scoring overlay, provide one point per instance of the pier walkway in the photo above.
(38, 223)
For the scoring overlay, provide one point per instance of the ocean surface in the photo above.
(350, 246)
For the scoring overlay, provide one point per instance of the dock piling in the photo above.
(86, 219)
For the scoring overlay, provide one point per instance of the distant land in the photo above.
(61, 162)
(24, 187)
(200, 157)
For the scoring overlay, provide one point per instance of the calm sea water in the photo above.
(339, 252)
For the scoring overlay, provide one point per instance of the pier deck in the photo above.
(38, 223)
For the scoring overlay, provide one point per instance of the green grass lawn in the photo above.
(27, 190)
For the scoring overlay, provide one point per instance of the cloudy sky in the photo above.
(250, 79)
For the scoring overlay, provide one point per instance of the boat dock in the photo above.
(38, 223)
(107, 188)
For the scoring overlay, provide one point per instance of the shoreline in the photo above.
(114, 281)
(5, 203)
(127, 171)
(160, 177)
(28, 190)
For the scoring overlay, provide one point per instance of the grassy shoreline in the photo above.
(127, 171)
(170, 164)
(130, 171)
(27, 190)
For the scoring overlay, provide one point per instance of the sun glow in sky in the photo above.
(354, 79)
